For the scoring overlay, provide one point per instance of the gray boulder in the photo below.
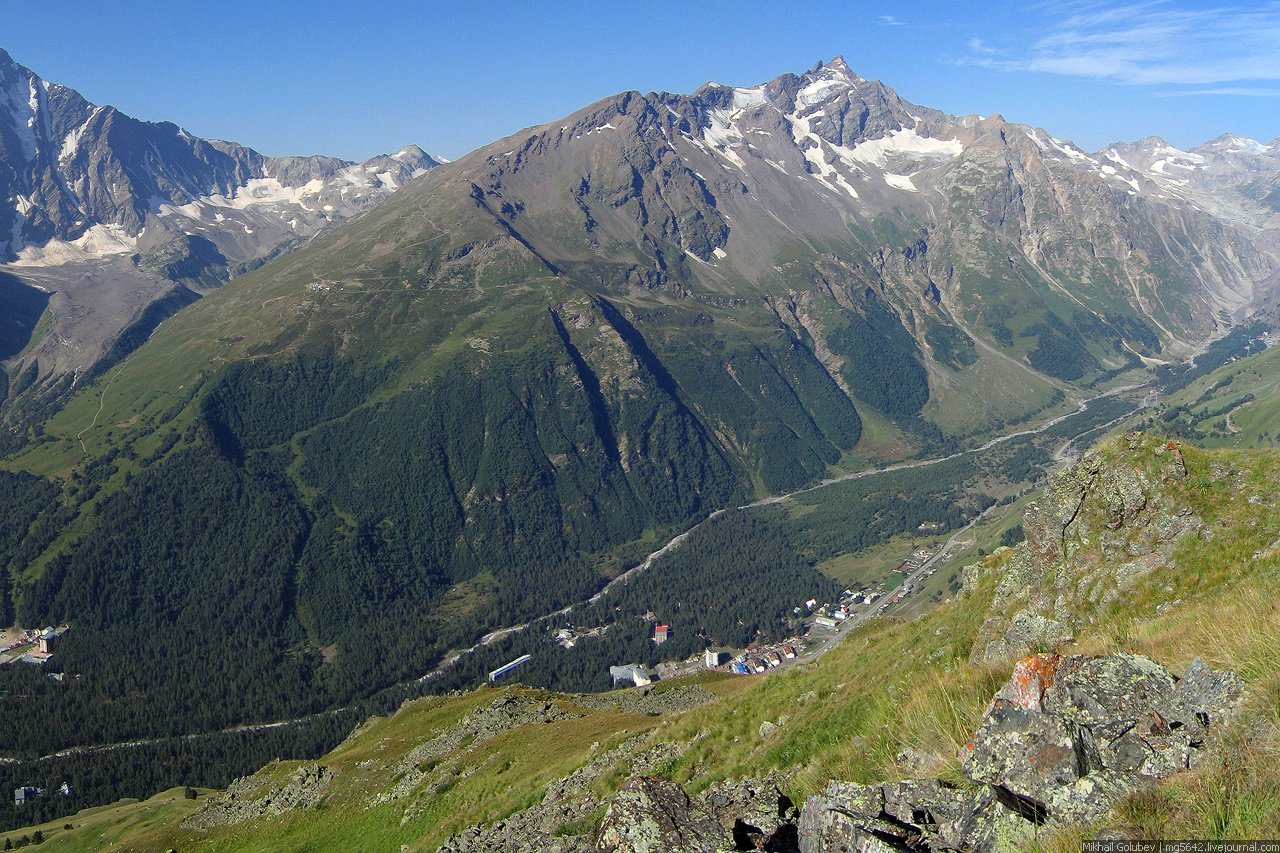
(911, 815)
(1066, 736)
(652, 815)
(756, 814)
(1061, 742)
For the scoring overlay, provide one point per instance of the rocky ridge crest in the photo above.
(1102, 525)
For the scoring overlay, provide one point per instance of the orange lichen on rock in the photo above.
(1032, 676)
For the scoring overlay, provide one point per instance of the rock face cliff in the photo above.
(1103, 524)
(69, 167)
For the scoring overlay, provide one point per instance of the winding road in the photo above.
(1062, 457)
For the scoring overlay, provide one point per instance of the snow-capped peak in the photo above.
(1230, 143)
(409, 154)
(837, 67)
(823, 81)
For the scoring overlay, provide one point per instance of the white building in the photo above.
(632, 672)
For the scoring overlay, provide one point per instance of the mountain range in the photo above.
(482, 398)
(123, 221)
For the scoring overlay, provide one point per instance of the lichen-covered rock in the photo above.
(756, 814)
(913, 814)
(1103, 524)
(1066, 736)
(1210, 692)
(1061, 742)
(652, 815)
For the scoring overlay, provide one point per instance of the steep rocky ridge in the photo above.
(70, 167)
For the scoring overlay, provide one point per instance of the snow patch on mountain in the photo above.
(1229, 143)
(1116, 158)
(71, 142)
(722, 135)
(99, 241)
(904, 143)
(900, 182)
(257, 192)
(744, 99)
(814, 147)
(818, 91)
(20, 106)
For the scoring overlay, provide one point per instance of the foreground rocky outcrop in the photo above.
(566, 819)
(506, 712)
(652, 814)
(648, 814)
(1061, 742)
(1103, 524)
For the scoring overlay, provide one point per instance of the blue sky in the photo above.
(358, 78)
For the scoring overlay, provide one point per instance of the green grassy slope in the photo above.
(1236, 405)
(483, 399)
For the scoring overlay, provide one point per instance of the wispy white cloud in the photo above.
(1154, 42)
(890, 21)
(1248, 91)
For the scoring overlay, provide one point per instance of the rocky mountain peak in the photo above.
(836, 71)
(1230, 143)
(68, 166)
(838, 67)
(415, 157)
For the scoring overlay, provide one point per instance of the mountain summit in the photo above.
(71, 168)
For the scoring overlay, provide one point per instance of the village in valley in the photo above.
(34, 646)
(818, 627)
(31, 645)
